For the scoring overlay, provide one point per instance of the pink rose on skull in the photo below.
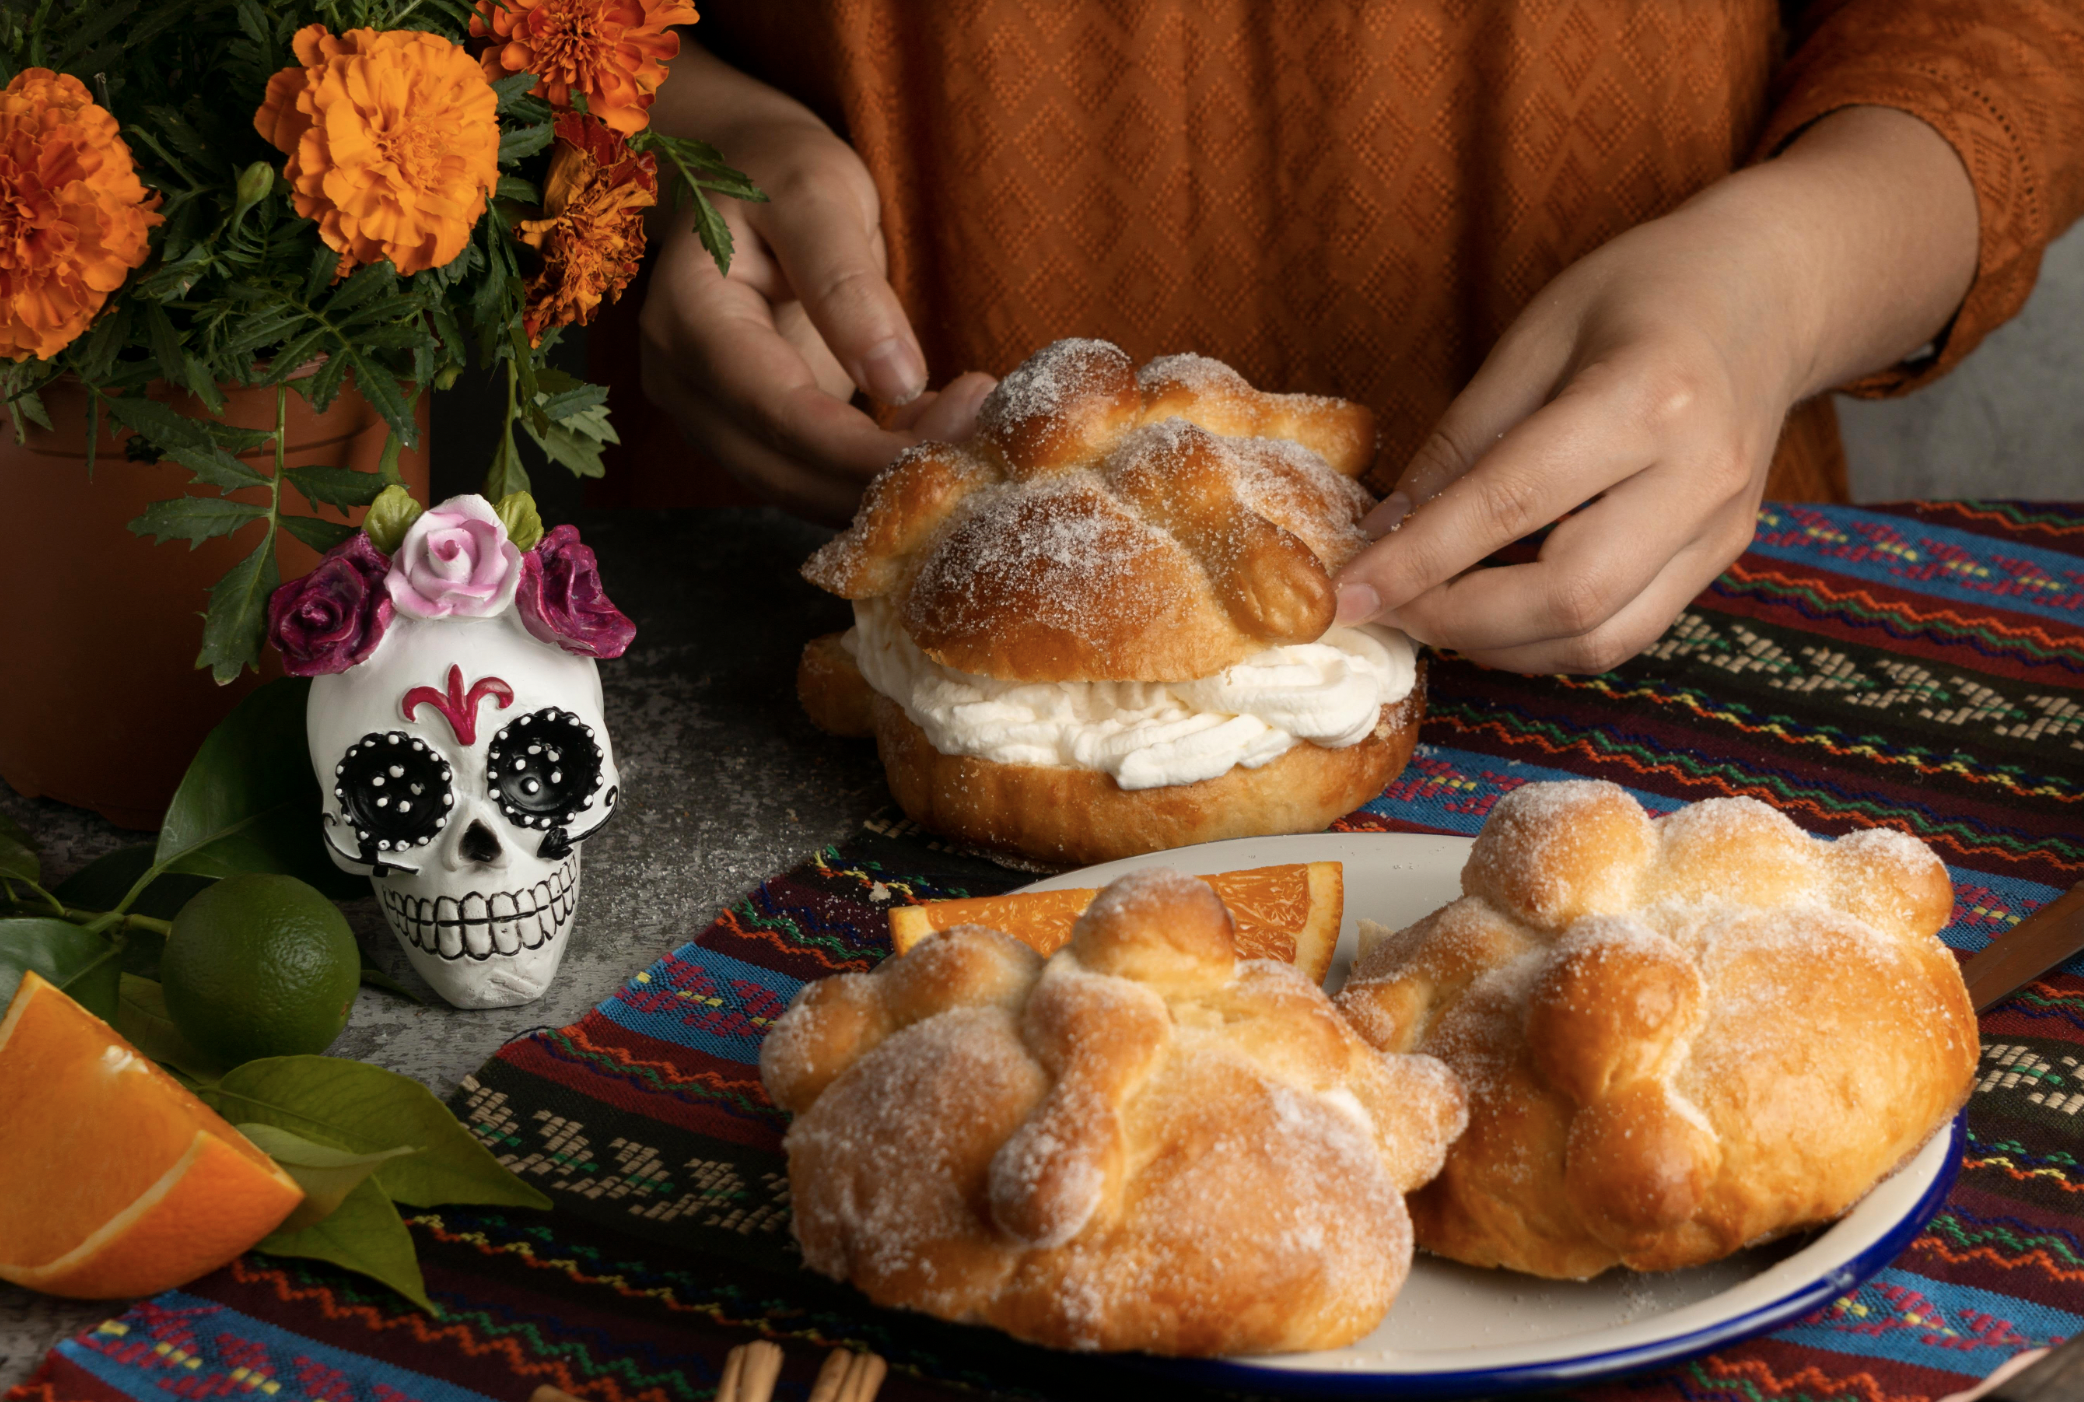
(455, 562)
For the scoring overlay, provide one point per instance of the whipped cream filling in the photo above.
(1145, 734)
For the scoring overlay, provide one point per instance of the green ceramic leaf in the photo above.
(365, 1109)
(366, 1235)
(516, 511)
(85, 965)
(390, 516)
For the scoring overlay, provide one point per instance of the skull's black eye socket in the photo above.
(394, 790)
(543, 769)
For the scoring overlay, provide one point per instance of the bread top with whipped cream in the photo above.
(1111, 524)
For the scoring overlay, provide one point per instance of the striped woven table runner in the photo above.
(1919, 666)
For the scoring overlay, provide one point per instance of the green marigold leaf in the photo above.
(237, 616)
(518, 143)
(194, 519)
(319, 535)
(335, 486)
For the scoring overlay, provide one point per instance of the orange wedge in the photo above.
(1290, 913)
(114, 1179)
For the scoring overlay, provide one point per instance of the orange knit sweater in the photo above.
(1355, 199)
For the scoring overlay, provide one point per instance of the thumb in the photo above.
(829, 250)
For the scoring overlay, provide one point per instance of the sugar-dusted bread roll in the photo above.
(1679, 1036)
(1140, 1144)
(1105, 624)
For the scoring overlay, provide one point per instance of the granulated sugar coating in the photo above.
(1106, 527)
(1144, 1146)
(1062, 378)
(1679, 1035)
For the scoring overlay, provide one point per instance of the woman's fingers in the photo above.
(794, 486)
(1515, 379)
(1593, 566)
(1639, 623)
(950, 414)
(716, 337)
(1566, 452)
(825, 237)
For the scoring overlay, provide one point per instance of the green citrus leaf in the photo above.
(366, 1235)
(142, 1018)
(365, 1109)
(390, 516)
(326, 1175)
(18, 851)
(84, 965)
(249, 801)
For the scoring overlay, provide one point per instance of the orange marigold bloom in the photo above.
(593, 238)
(613, 51)
(73, 214)
(393, 142)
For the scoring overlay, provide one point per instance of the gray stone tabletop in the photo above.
(725, 783)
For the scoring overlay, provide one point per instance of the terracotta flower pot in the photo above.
(101, 704)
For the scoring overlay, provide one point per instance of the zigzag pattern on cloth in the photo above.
(1847, 611)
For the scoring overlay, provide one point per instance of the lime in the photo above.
(260, 966)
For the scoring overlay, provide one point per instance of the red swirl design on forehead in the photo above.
(458, 707)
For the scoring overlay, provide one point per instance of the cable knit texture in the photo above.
(1355, 200)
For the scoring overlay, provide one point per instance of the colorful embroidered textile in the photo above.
(1920, 667)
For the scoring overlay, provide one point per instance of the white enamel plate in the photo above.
(1460, 1332)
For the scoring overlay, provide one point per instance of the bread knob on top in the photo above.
(1142, 1143)
(1679, 1035)
(1104, 625)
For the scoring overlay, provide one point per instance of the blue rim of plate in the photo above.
(1584, 1367)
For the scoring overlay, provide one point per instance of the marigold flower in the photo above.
(593, 239)
(392, 139)
(73, 214)
(612, 51)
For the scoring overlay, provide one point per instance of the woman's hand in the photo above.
(1647, 385)
(759, 367)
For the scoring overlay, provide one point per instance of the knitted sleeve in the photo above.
(2003, 82)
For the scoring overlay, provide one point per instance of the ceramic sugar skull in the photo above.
(456, 728)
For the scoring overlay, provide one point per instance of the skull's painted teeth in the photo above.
(480, 927)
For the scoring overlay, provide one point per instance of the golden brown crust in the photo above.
(1108, 526)
(1075, 817)
(1680, 1036)
(834, 694)
(1142, 1144)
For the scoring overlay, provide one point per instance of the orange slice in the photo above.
(114, 1179)
(1290, 913)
